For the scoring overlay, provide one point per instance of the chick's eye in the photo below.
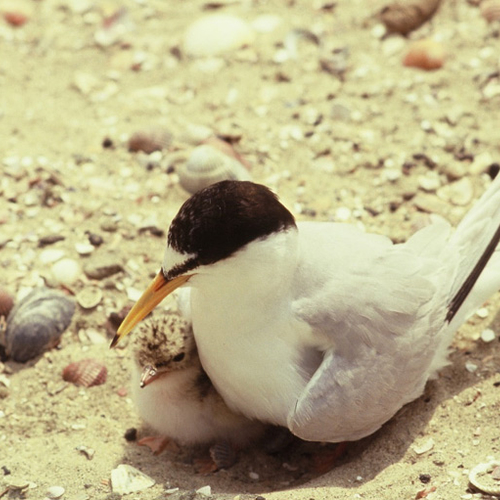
(178, 357)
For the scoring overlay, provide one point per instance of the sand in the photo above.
(324, 111)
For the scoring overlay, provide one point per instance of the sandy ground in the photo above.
(368, 141)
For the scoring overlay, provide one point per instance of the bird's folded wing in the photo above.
(378, 321)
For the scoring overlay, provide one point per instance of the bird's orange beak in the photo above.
(157, 290)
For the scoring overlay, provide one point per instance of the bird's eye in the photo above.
(178, 357)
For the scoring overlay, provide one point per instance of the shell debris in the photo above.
(486, 477)
(425, 54)
(207, 165)
(87, 373)
(127, 479)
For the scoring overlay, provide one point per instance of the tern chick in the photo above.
(321, 327)
(174, 395)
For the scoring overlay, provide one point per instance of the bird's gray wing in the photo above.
(377, 315)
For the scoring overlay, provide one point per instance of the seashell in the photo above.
(226, 148)
(87, 372)
(6, 302)
(89, 297)
(207, 165)
(36, 324)
(490, 10)
(215, 34)
(486, 477)
(425, 54)
(149, 141)
(405, 16)
(55, 492)
(127, 479)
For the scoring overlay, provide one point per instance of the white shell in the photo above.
(480, 477)
(127, 479)
(89, 297)
(215, 34)
(207, 165)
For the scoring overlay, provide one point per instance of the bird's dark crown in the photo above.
(221, 219)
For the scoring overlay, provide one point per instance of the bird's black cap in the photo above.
(221, 219)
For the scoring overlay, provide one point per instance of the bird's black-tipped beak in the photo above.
(157, 290)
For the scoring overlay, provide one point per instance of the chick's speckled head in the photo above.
(166, 344)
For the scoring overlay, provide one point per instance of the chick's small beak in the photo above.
(157, 290)
(148, 374)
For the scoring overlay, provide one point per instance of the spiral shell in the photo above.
(486, 477)
(490, 10)
(87, 372)
(425, 54)
(36, 324)
(207, 165)
(149, 141)
(405, 16)
(6, 302)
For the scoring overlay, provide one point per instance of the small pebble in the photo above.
(253, 475)
(204, 490)
(488, 335)
(95, 240)
(66, 271)
(215, 34)
(471, 367)
(84, 248)
(50, 255)
(50, 239)
(482, 312)
(98, 270)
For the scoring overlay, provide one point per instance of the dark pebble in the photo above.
(50, 240)
(107, 143)
(153, 230)
(131, 434)
(99, 271)
(425, 478)
(95, 239)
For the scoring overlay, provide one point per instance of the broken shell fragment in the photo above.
(36, 324)
(425, 54)
(87, 372)
(207, 165)
(486, 477)
(127, 479)
(149, 141)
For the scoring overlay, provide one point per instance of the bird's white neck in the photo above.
(240, 304)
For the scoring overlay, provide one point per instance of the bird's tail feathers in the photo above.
(475, 245)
